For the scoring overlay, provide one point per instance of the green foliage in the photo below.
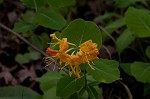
(140, 71)
(60, 3)
(126, 68)
(27, 57)
(124, 40)
(138, 21)
(48, 84)
(33, 3)
(48, 80)
(23, 27)
(79, 31)
(50, 20)
(125, 3)
(68, 85)
(92, 92)
(104, 70)
(51, 94)
(113, 26)
(47, 15)
(18, 92)
(106, 16)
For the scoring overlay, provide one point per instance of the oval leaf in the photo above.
(23, 27)
(50, 20)
(22, 58)
(79, 31)
(125, 3)
(60, 3)
(141, 71)
(138, 22)
(104, 70)
(18, 92)
(92, 92)
(68, 85)
(51, 94)
(33, 3)
(48, 80)
(124, 40)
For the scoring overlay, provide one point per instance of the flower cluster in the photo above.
(87, 52)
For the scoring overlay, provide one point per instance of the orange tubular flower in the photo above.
(88, 51)
(51, 52)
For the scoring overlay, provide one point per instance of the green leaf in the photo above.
(34, 55)
(67, 85)
(125, 3)
(35, 39)
(124, 40)
(106, 16)
(79, 31)
(48, 80)
(60, 3)
(22, 59)
(45, 39)
(51, 94)
(138, 21)
(33, 3)
(50, 20)
(148, 52)
(74, 96)
(92, 92)
(140, 71)
(104, 70)
(18, 92)
(126, 68)
(23, 27)
(113, 26)
(29, 17)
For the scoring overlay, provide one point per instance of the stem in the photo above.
(127, 90)
(84, 88)
(85, 78)
(23, 39)
(108, 34)
(26, 41)
(35, 5)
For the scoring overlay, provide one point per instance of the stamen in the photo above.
(88, 62)
(73, 53)
(69, 50)
(71, 44)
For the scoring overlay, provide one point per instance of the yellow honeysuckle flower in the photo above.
(88, 51)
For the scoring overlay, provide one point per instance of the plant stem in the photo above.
(84, 88)
(26, 41)
(23, 39)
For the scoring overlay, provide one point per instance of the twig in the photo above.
(23, 39)
(127, 90)
(105, 31)
(108, 34)
(27, 42)
(107, 50)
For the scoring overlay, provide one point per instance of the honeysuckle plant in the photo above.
(76, 49)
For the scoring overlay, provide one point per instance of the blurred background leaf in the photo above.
(138, 21)
(18, 92)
